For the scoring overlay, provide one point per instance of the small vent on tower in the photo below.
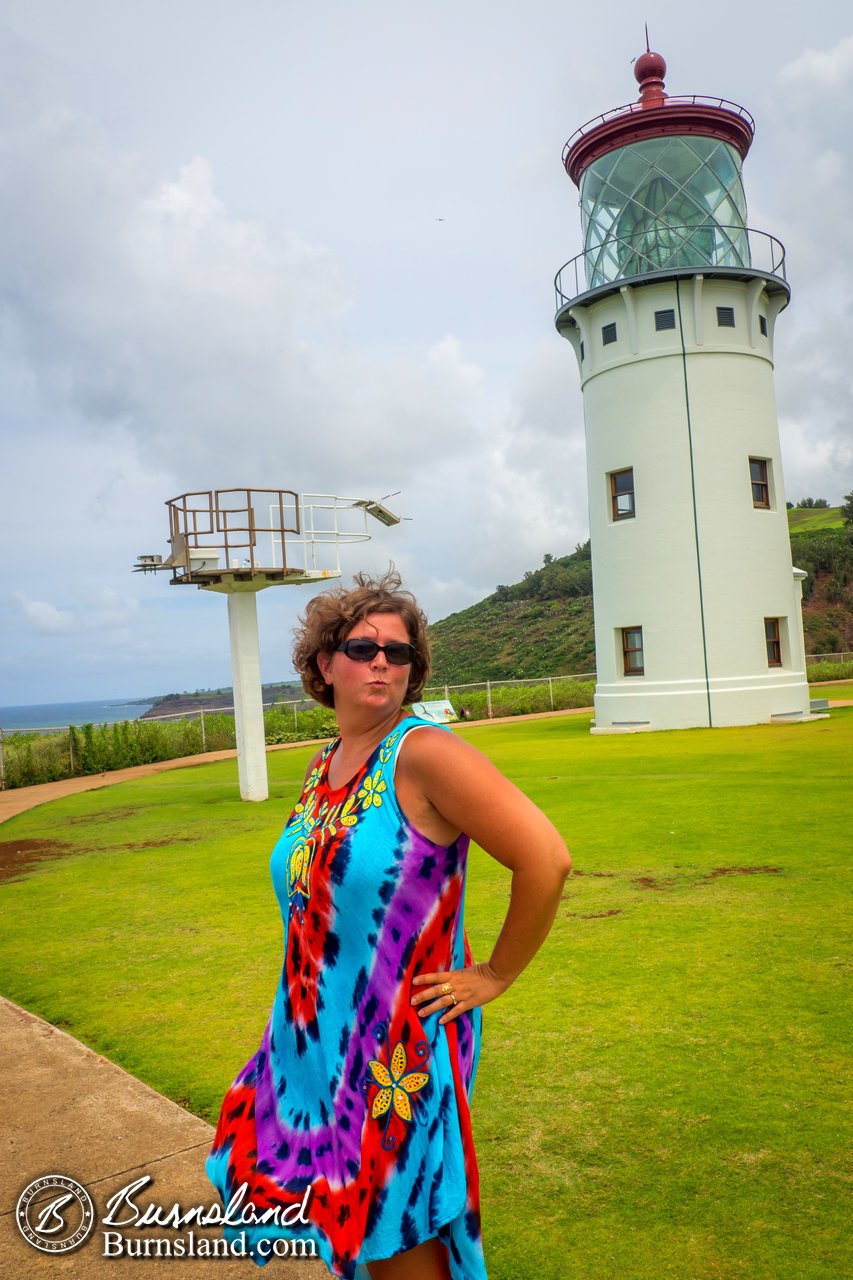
(665, 319)
(608, 333)
(726, 317)
(762, 324)
(583, 353)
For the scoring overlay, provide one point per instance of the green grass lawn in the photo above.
(840, 689)
(661, 1092)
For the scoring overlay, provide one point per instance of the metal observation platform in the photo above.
(239, 541)
(242, 540)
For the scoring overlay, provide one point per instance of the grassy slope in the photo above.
(814, 519)
(514, 639)
(660, 1094)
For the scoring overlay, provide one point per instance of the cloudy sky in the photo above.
(312, 246)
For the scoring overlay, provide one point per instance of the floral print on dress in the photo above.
(396, 1084)
(317, 821)
(370, 791)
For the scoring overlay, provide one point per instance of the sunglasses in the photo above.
(364, 650)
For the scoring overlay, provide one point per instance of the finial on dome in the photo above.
(649, 71)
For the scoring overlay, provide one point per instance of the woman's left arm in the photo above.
(469, 792)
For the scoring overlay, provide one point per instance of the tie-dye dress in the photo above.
(351, 1093)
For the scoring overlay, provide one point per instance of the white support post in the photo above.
(248, 704)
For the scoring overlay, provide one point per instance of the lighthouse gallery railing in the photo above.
(653, 251)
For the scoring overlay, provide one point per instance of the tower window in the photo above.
(762, 324)
(773, 642)
(622, 494)
(726, 317)
(608, 334)
(632, 651)
(582, 350)
(760, 483)
(665, 319)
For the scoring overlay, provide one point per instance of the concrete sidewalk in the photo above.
(69, 1111)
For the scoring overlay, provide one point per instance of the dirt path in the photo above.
(20, 799)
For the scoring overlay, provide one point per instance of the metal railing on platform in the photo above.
(661, 250)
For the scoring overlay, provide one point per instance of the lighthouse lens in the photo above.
(661, 204)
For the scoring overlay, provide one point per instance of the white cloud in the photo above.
(821, 69)
(43, 616)
(829, 167)
(103, 611)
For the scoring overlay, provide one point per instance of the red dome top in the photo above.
(649, 71)
(649, 64)
(656, 114)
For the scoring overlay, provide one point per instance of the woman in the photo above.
(356, 1103)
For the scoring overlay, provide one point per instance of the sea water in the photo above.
(58, 715)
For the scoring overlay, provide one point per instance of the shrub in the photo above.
(520, 700)
(818, 672)
(310, 721)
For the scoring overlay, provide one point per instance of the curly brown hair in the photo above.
(330, 617)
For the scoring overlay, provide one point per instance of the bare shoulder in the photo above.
(438, 773)
(432, 744)
(470, 794)
(434, 755)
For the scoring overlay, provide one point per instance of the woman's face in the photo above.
(374, 685)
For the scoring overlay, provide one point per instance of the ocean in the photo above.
(57, 715)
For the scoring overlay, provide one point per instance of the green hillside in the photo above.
(813, 519)
(543, 625)
(540, 626)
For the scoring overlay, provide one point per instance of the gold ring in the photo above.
(446, 989)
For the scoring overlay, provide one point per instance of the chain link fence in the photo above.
(486, 699)
(28, 756)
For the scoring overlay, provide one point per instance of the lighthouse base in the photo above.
(697, 704)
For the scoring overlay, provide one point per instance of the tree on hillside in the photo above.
(813, 502)
(847, 508)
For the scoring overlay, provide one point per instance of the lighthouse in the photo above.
(671, 311)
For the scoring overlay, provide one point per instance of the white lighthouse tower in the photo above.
(671, 310)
